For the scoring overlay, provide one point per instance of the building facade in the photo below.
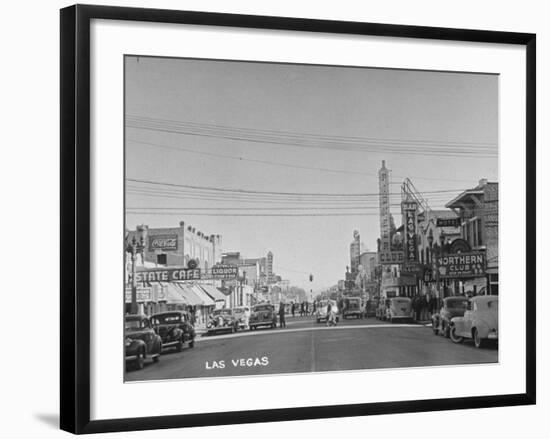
(176, 246)
(477, 209)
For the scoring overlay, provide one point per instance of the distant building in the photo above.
(175, 246)
(264, 264)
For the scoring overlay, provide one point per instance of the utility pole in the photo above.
(134, 247)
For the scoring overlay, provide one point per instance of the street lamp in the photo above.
(134, 247)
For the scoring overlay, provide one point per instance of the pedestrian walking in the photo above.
(282, 322)
(416, 307)
(302, 309)
(293, 308)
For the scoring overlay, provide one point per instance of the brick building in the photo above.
(175, 246)
(477, 209)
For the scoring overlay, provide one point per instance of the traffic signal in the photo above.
(311, 277)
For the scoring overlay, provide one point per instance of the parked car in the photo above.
(175, 329)
(140, 341)
(242, 315)
(453, 306)
(221, 320)
(352, 308)
(321, 313)
(399, 308)
(480, 321)
(263, 315)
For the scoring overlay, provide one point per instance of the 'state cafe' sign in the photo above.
(168, 274)
(184, 274)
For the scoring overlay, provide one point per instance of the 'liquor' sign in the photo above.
(225, 272)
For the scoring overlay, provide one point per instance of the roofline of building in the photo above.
(462, 195)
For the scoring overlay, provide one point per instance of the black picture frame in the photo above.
(75, 216)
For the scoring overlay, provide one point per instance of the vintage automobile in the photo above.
(140, 341)
(453, 306)
(221, 320)
(399, 308)
(321, 313)
(175, 329)
(480, 321)
(352, 308)
(263, 315)
(242, 315)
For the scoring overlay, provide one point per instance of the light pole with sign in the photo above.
(134, 247)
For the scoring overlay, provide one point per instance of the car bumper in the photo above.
(492, 336)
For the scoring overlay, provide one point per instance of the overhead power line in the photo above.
(249, 191)
(280, 164)
(159, 122)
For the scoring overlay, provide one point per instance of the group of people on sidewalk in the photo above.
(424, 306)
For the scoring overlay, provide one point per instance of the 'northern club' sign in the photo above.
(462, 265)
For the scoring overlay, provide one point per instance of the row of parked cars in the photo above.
(462, 318)
(459, 318)
(244, 317)
(147, 337)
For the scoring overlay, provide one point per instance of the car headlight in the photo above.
(127, 342)
(209, 325)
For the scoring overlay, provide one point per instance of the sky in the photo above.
(284, 157)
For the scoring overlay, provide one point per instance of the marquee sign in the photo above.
(462, 265)
(447, 222)
(225, 272)
(142, 295)
(168, 275)
(390, 257)
(409, 209)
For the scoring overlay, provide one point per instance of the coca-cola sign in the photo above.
(163, 242)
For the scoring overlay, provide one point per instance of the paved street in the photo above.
(305, 346)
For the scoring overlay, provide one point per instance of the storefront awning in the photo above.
(190, 296)
(206, 299)
(173, 294)
(213, 292)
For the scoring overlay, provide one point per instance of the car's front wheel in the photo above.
(478, 341)
(454, 336)
(140, 360)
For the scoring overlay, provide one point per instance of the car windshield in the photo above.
(262, 308)
(222, 312)
(238, 311)
(134, 325)
(457, 303)
(400, 301)
(166, 318)
(323, 303)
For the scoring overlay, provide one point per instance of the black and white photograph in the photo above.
(296, 218)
